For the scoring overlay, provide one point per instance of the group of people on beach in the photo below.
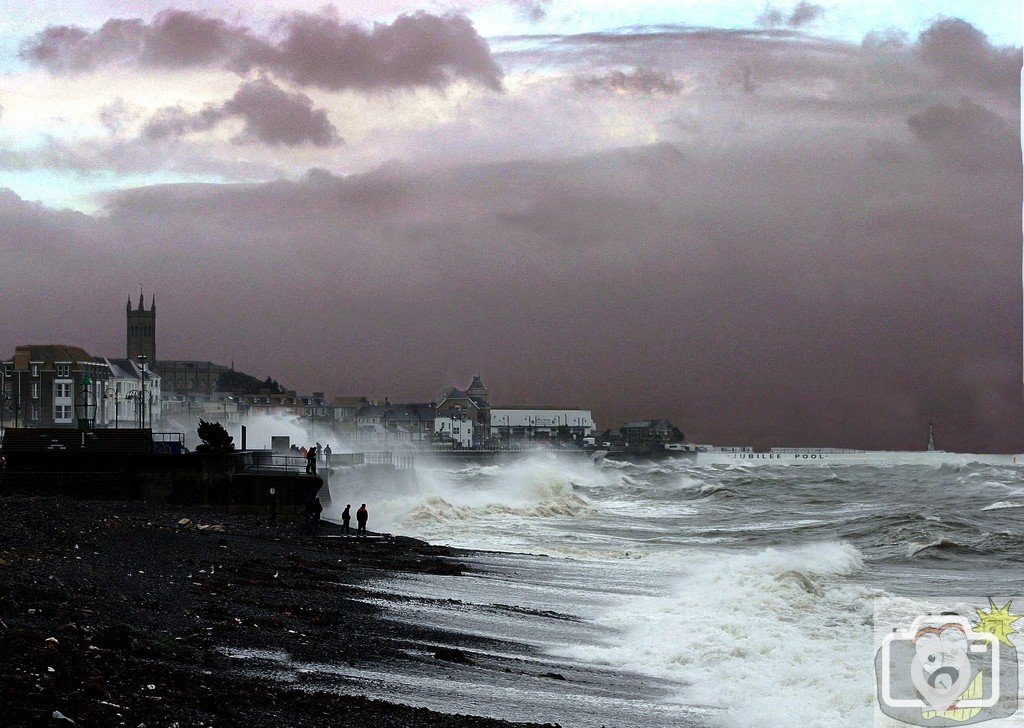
(314, 508)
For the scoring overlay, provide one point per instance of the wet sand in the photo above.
(113, 613)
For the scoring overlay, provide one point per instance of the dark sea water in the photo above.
(740, 596)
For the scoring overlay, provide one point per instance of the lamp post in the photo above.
(85, 405)
(142, 377)
(111, 393)
(137, 396)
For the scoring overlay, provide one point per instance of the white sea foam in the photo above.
(777, 638)
(1001, 505)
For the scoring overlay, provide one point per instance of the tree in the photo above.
(215, 438)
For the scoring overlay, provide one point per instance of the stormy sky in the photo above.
(782, 223)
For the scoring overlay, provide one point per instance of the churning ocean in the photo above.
(736, 596)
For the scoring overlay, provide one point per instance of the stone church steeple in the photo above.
(477, 389)
(142, 329)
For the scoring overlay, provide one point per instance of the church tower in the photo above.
(142, 330)
(477, 389)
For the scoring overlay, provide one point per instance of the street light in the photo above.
(109, 393)
(85, 405)
(142, 376)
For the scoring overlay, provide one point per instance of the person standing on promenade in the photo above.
(346, 516)
(327, 456)
(319, 451)
(313, 510)
(361, 515)
(311, 461)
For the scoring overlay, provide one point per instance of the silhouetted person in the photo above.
(319, 450)
(327, 455)
(313, 510)
(311, 461)
(361, 515)
(346, 516)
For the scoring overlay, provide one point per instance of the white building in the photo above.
(123, 401)
(529, 422)
(456, 429)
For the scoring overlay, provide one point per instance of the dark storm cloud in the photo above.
(748, 294)
(830, 258)
(639, 80)
(315, 49)
(272, 116)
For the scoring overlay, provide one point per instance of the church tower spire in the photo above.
(141, 330)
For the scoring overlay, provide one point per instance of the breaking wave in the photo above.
(741, 630)
(555, 505)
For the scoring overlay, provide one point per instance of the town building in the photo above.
(125, 402)
(462, 416)
(508, 423)
(644, 432)
(42, 384)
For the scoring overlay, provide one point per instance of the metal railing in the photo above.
(270, 463)
(401, 460)
(178, 437)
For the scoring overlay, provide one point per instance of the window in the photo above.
(35, 411)
(62, 413)
(8, 368)
(63, 370)
(34, 369)
(62, 390)
(35, 390)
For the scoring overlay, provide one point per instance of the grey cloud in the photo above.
(968, 136)
(639, 80)
(533, 10)
(275, 116)
(415, 50)
(114, 154)
(117, 115)
(272, 116)
(176, 121)
(963, 54)
(803, 13)
(316, 49)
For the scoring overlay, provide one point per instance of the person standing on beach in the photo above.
(313, 510)
(361, 515)
(345, 518)
(311, 461)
